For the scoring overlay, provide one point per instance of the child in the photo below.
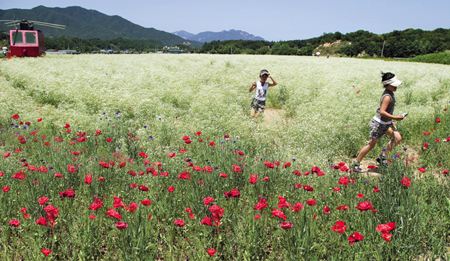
(381, 123)
(259, 102)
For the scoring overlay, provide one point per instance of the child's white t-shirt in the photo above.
(261, 91)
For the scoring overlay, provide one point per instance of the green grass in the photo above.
(441, 58)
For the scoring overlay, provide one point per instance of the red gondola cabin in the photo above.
(26, 43)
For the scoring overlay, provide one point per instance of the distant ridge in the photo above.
(87, 24)
(214, 36)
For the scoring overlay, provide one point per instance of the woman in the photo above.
(259, 102)
(381, 123)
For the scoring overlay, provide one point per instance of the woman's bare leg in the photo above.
(366, 149)
(396, 139)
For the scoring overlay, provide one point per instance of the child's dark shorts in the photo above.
(258, 105)
(377, 129)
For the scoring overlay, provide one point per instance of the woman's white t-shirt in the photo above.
(261, 91)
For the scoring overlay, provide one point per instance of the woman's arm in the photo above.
(252, 87)
(273, 83)
(384, 113)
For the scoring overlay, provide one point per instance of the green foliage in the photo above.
(442, 58)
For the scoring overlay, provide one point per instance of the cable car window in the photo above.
(30, 38)
(17, 38)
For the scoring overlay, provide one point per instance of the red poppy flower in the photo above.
(143, 188)
(286, 225)
(253, 178)
(340, 227)
(208, 200)
(386, 236)
(71, 168)
(15, 116)
(308, 188)
(14, 223)
(371, 167)
(39, 120)
(236, 168)
(5, 189)
(234, 193)
(343, 207)
(46, 252)
(133, 185)
(445, 172)
(375, 189)
(343, 181)
(188, 141)
(355, 237)
(206, 221)
(171, 189)
(42, 221)
(296, 172)
(211, 251)
(266, 178)
(19, 175)
(257, 216)
(297, 207)
(43, 200)
(113, 213)
(438, 120)
(360, 195)
(277, 213)
(184, 175)
(6, 154)
(336, 188)
(96, 205)
(384, 228)
(69, 193)
(186, 138)
(364, 206)
(283, 203)
(121, 225)
(146, 202)
(405, 181)
(326, 210)
(298, 185)
(311, 202)
(132, 207)
(268, 164)
(88, 178)
(179, 223)
(261, 204)
(212, 144)
(171, 155)
(422, 170)
(315, 169)
(92, 217)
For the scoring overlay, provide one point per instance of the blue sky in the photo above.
(271, 20)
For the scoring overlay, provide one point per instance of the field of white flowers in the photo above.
(319, 111)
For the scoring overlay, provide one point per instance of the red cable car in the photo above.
(27, 42)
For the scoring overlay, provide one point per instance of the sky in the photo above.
(271, 20)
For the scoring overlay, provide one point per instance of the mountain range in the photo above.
(214, 36)
(87, 24)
